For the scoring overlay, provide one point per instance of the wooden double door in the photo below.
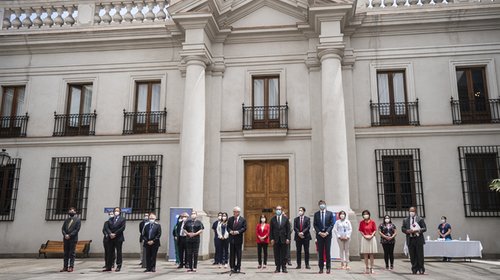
(266, 186)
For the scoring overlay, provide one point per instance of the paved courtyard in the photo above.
(90, 269)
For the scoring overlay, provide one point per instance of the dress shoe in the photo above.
(118, 269)
(320, 271)
(64, 269)
(327, 271)
(153, 270)
(147, 270)
(284, 270)
(70, 269)
(308, 267)
(289, 263)
(106, 269)
(298, 267)
(277, 271)
(180, 266)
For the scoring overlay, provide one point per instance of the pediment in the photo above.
(264, 16)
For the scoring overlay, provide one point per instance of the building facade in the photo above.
(209, 104)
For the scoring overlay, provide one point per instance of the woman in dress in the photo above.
(262, 233)
(368, 229)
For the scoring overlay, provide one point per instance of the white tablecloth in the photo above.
(453, 249)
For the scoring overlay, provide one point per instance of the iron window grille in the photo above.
(399, 182)
(479, 165)
(68, 187)
(141, 185)
(9, 183)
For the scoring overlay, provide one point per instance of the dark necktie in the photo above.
(150, 231)
(235, 222)
(301, 222)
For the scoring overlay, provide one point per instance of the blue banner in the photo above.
(175, 212)
(127, 210)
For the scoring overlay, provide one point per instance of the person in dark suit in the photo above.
(217, 241)
(301, 227)
(193, 229)
(70, 229)
(115, 228)
(151, 241)
(142, 248)
(106, 242)
(280, 238)
(236, 225)
(323, 225)
(414, 227)
(180, 238)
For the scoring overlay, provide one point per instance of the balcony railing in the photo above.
(398, 113)
(475, 111)
(74, 124)
(144, 122)
(13, 126)
(264, 117)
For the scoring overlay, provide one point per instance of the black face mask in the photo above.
(71, 214)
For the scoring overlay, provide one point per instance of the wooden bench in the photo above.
(57, 247)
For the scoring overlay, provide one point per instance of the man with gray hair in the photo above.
(236, 226)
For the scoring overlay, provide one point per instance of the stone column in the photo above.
(193, 135)
(335, 160)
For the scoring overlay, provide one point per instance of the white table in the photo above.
(453, 249)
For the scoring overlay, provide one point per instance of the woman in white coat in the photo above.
(343, 230)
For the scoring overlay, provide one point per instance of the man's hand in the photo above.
(66, 236)
(150, 242)
(287, 241)
(112, 235)
(272, 242)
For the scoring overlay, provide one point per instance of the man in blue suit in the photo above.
(115, 228)
(323, 225)
(151, 241)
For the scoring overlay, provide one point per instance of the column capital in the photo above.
(330, 52)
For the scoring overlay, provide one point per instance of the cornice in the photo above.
(427, 131)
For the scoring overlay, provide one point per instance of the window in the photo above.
(473, 102)
(68, 187)
(266, 101)
(78, 120)
(12, 123)
(479, 165)
(392, 107)
(148, 117)
(9, 182)
(141, 185)
(399, 182)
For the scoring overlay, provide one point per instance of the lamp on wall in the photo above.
(4, 158)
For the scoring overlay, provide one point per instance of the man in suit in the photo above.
(180, 238)
(151, 241)
(70, 229)
(236, 226)
(323, 225)
(414, 227)
(142, 248)
(302, 226)
(115, 228)
(280, 238)
(106, 242)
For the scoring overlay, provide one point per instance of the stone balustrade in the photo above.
(370, 4)
(66, 14)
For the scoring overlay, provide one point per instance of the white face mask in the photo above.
(322, 206)
(193, 217)
(219, 218)
(387, 221)
(151, 220)
(301, 213)
(342, 216)
(412, 214)
(443, 221)
(366, 216)
(224, 218)
(117, 213)
(184, 219)
(111, 215)
(262, 220)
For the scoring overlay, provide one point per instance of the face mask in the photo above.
(184, 219)
(443, 221)
(262, 220)
(322, 206)
(151, 220)
(117, 213)
(111, 215)
(387, 221)
(278, 212)
(71, 214)
(224, 218)
(146, 218)
(342, 216)
(366, 216)
(412, 214)
(301, 213)
(193, 217)
(219, 218)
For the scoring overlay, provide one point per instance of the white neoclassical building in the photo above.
(209, 104)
